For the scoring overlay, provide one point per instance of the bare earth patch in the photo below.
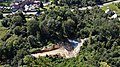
(62, 51)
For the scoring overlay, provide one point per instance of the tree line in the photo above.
(56, 26)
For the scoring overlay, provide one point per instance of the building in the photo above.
(112, 14)
(2, 0)
(25, 5)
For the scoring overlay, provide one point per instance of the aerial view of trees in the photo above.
(81, 3)
(1, 15)
(23, 35)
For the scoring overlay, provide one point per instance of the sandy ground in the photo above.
(62, 51)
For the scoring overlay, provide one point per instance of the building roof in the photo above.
(114, 16)
(2, 0)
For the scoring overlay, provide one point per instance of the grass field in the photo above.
(47, 7)
(0, 23)
(50, 6)
(3, 31)
(112, 7)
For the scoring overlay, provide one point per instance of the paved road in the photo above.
(83, 8)
(45, 4)
(27, 13)
(105, 4)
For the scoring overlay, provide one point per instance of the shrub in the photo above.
(1, 15)
(118, 5)
(17, 30)
(5, 22)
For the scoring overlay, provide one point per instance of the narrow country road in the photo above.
(83, 8)
(105, 4)
(27, 13)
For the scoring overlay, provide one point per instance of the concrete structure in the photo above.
(2, 0)
(114, 16)
(25, 4)
(107, 10)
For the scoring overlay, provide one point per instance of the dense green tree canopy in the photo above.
(23, 36)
